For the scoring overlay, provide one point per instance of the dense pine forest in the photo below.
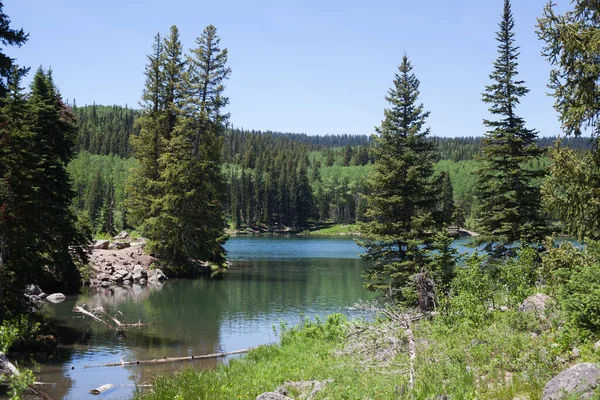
(275, 181)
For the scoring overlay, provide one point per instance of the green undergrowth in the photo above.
(511, 355)
(345, 229)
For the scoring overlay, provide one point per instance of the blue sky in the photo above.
(310, 66)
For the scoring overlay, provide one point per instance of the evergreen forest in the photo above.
(176, 174)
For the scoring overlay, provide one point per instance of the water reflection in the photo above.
(203, 316)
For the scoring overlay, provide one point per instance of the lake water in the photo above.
(272, 279)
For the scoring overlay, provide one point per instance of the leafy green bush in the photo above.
(518, 275)
(471, 292)
(579, 297)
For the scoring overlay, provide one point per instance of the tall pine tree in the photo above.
(400, 237)
(62, 245)
(143, 185)
(189, 226)
(508, 187)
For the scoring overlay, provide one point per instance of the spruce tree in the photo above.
(400, 237)
(143, 185)
(17, 208)
(508, 188)
(190, 225)
(572, 191)
(62, 245)
(572, 47)
(9, 37)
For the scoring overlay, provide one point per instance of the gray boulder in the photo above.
(579, 381)
(56, 298)
(537, 303)
(272, 396)
(139, 273)
(301, 390)
(101, 244)
(121, 245)
(156, 275)
(122, 236)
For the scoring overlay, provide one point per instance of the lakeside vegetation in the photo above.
(177, 172)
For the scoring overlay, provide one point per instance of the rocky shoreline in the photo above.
(122, 262)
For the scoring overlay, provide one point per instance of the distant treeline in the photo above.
(106, 130)
(274, 180)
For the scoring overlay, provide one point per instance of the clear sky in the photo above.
(312, 66)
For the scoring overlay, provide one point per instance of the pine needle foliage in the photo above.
(403, 228)
(508, 187)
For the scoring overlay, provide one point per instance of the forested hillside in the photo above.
(275, 181)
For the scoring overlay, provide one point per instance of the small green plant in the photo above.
(332, 329)
(19, 383)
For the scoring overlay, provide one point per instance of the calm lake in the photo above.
(272, 279)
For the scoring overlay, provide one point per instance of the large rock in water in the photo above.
(537, 303)
(56, 298)
(577, 382)
(139, 273)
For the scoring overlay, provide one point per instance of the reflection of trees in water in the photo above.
(188, 316)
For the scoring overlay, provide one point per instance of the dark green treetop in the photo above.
(508, 188)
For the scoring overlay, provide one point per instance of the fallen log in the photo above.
(101, 389)
(169, 359)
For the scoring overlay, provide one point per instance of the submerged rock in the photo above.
(579, 381)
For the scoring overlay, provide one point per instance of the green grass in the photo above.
(335, 230)
(511, 356)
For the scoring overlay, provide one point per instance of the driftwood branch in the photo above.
(168, 359)
(412, 351)
(116, 325)
(83, 311)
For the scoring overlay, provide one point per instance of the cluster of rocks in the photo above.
(123, 268)
(122, 262)
(37, 297)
